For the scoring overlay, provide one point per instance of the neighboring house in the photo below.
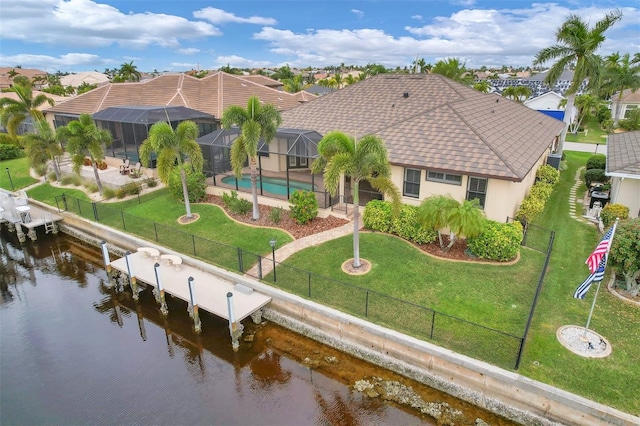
(318, 90)
(30, 73)
(623, 167)
(548, 103)
(27, 125)
(442, 137)
(629, 102)
(210, 95)
(264, 81)
(89, 77)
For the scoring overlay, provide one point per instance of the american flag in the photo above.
(582, 290)
(603, 247)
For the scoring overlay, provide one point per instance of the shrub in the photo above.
(196, 184)
(71, 180)
(541, 190)
(275, 214)
(108, 192)
(52, 176)
(406, 226)
(303, 206)
(236, 205)
(530, 208)
(597, 161)
(603, 114)
(103, 165)
(498, 241)
(5, 139)
(610, 212)
(548, 174)
(625, 253)
(120, 193)
(86, 161)
(9, 152)
(594, 175)
(150, 182)
(91, 187)
(41, 169)
(632, 122)
(131, 188)
(377, 216)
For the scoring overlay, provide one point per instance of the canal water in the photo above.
(74, 351)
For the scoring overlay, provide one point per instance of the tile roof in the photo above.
(429, 121)
(264, 80)
(211, 94)
(623, 153)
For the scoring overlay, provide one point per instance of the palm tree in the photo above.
(172, 148)
(13, 112)
(434, 213)
(453, 69)
(127, 72)
(85, 139)
(517, 93)
(366, 159)
(482, 86)
(621, 73)
(576, 44)
(584, 103)
(466, 219)
(293, 85)
(44, 146)
(256, 122)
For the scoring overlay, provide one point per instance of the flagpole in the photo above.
(606, 260)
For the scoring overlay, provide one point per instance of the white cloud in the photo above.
(464, 3)
(188, 51)
(239, 62)
(219, 16)
(46, 62)
(417, 17)
(358, 13)
(87, 23)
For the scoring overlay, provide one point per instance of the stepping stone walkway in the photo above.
(574, 202)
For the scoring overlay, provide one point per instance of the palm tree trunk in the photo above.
(440, 239)
(356, 225)
(185, 192)
(452, 240)
(254, 187)
(56, 169)
(97, 175)
(568, 109)
(616, 117)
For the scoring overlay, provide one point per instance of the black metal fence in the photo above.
(465, 337)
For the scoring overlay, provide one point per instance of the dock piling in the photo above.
(235, 329)
(132, 278)
(194, 307)
(159, 292)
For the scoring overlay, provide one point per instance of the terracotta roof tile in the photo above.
(211, 94)
(429, 121)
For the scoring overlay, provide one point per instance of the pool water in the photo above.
(270, 184)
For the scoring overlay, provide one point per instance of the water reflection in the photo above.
(75, 351)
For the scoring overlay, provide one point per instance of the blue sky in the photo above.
(172, 35)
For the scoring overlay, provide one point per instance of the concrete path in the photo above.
(586, 147)
(302, 243)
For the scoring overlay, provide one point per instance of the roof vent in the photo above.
(406, 95)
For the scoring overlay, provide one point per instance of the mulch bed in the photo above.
(457, 252)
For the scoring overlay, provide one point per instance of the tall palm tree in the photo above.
(366, 159)
(127, 72)
(44, 146)
(85, 139)
(256, 122)
(173, 148)
(576, 44)
(15, 111)
(621, 73)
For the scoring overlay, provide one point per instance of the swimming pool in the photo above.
(270, 184)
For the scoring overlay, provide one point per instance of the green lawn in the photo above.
(592, 134)
(16, 171)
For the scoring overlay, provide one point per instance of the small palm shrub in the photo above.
(304, 206)
(498, 241)
(236, 205)
(275, 214)
(610, 212)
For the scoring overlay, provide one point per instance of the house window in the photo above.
(477, 188)
(411, 183)
(444, 178)
(629, 110)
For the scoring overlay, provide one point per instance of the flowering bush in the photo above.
(304, 206)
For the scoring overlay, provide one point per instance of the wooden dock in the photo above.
(230, 301)
(21, 215)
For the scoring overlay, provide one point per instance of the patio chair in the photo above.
(136, 172)
(125, 167)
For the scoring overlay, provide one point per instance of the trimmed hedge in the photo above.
(498, 241)
(10, 152)
(378, 217)
(594, 175)
(533, 204)
(597, 161)
(548, 174)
